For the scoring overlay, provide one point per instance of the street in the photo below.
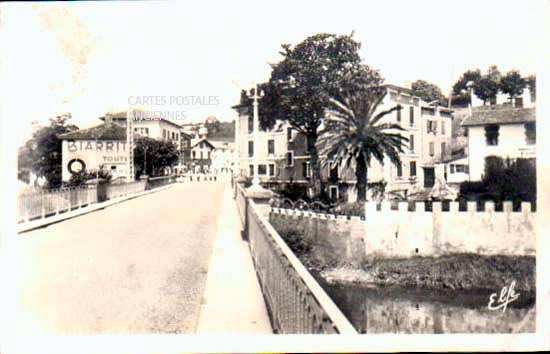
(137, 267)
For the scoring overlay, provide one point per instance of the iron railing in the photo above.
(156, 182)
(119, 190)
(296, 302)
(41, 204)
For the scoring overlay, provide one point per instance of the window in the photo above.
(251, 170)
(442, 127)
(519, 102)
(271, 146)
(432, 126)
(333, 171)
(443, 146)
(305, 169)
(530, 133)
(399, 170)
(432, 152)
(271, 169)
(136, 129)
(306, 143)
(411, 143)
(452, 168)
(194, 153)
(399, 115)
(413, 168)
(290, 158)
(460, 168)
(491, 135)
(201, 155)
(250, 148)
(411, 116)
(208, 155)
(289, 133)
(250, 124)
(333, 190)
(147, 131)
(262, 170)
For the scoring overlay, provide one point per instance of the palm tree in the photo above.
(354, 133)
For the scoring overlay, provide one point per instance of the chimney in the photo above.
(108, 120)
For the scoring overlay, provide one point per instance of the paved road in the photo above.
(134, 268)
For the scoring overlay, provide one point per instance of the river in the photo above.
(404, 310)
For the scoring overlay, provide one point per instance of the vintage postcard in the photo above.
(274, 176)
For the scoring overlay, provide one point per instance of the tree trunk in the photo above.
(361, 176)
(314, 164)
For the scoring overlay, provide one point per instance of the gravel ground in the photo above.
(138, 267)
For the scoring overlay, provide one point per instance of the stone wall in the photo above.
(333, 240)
(403, 233)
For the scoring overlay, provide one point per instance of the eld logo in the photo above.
(507, 295)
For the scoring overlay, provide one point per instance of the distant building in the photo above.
(151, 126)
(504, 131)
(102, 146)
(223, 155)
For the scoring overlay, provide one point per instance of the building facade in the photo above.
(282, 152)
(100, 147)
(503, 131)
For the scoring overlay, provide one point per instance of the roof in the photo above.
(205, 140)
(220, 144)
(100, 132)
(499, 115)
(142, 116)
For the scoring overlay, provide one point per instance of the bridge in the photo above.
(169, 262)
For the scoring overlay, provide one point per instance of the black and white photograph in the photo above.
(274, 176)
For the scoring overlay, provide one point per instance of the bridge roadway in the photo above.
(134, 268)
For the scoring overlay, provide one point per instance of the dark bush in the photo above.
(503, 180)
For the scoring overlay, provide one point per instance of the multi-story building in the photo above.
(504, 131)
(151, 126)
(505, 128)
(282, 156)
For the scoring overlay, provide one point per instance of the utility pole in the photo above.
(130, 144)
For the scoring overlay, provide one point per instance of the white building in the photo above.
(282, 154)
(502, 131)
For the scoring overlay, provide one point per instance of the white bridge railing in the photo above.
(296, 302)
(35, 205)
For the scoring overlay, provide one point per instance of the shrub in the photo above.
(503, 180)
(351, 209)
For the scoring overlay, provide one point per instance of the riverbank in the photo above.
(452, 272)
(464, 271)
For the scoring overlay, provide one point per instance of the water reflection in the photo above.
(399, 310)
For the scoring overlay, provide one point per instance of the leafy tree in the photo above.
(151, 156)
(461, 95)
(512, 84)
(354, 132)
(428, 92)
(42, 153)
(488, 86)
(302, 83)
(531, 82)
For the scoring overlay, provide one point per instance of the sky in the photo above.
(191, 60)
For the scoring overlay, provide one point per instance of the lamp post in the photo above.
(256, 191)
(145, 160)
(256, 128)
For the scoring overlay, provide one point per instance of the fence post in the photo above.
(57, 203)
(42, 204)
